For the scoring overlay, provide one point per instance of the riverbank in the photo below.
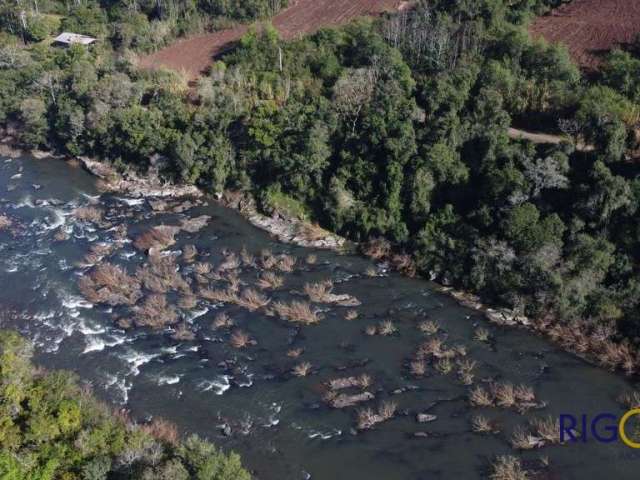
(255, 377)
(588, 343)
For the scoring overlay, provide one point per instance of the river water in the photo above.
(277, 421)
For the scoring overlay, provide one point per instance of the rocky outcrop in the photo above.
(133, 184)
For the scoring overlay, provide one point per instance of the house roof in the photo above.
(69, 38)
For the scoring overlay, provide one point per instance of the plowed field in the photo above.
(193, 55)
(590, 28)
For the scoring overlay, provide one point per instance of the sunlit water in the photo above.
(279, 422)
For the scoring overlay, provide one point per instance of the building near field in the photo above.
(66, 39)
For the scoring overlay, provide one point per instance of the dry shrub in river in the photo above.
(269, 281)
(444, 366)
(547, 428)
(189, 253)
(296, 312)
(161, 274)
(465, 371)
(377, 248)
(240, 339)
(248, 260)
(110, 284)
(295, 352)
(221, 296)
(154, 312)
(481, 334)
(630, 399)
(429, 327)
(202, 268)
(97, 252)
(230, 262)
(367, 418)
(404, 264)
(183, 333)
(252, 300)
(418, 368)
(507, 467)
(363, 381)
(89, 214)
(156, 238)
(302, 369)
(481, 424)
(319, 292)
(480, 397)
(351, 315)
(386, 328)
(5, 222)
(523, 440)
(188, 301)
(504, 395)
(370, 330)
(267, 259)
(286, 263)
(221, 320)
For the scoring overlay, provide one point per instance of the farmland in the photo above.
(193, 55)
(590, 28)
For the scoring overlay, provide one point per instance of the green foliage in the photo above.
(395, 127)
(50, 428)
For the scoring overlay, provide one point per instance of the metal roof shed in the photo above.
(67, 38)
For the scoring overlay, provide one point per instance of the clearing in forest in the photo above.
(194, 55)
(590, 28)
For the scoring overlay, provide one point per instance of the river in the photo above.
(247, 399)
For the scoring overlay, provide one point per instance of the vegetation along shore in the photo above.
(393, 133)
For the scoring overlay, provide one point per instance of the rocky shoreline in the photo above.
(301, 233)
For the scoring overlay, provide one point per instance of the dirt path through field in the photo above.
(590, 28)
(195, 54)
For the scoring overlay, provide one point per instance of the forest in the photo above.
(393, 128)
(52, 427)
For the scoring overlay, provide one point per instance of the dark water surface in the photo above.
(279, 422)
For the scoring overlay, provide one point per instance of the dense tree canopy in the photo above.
(395, 127)
(52, 428)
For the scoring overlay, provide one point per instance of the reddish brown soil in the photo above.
(195, 54)
(590, 28)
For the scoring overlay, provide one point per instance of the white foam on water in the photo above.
(130, 201)
(136, 359)
(73, 302)
(92, 198)
(89, 328)
(12, 269)
(59, 219)
(44, 315)
(120, 385)
(192, 315)
(218, 386)
(169, 380)
(94, 344)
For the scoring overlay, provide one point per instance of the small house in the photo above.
(66, 39)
